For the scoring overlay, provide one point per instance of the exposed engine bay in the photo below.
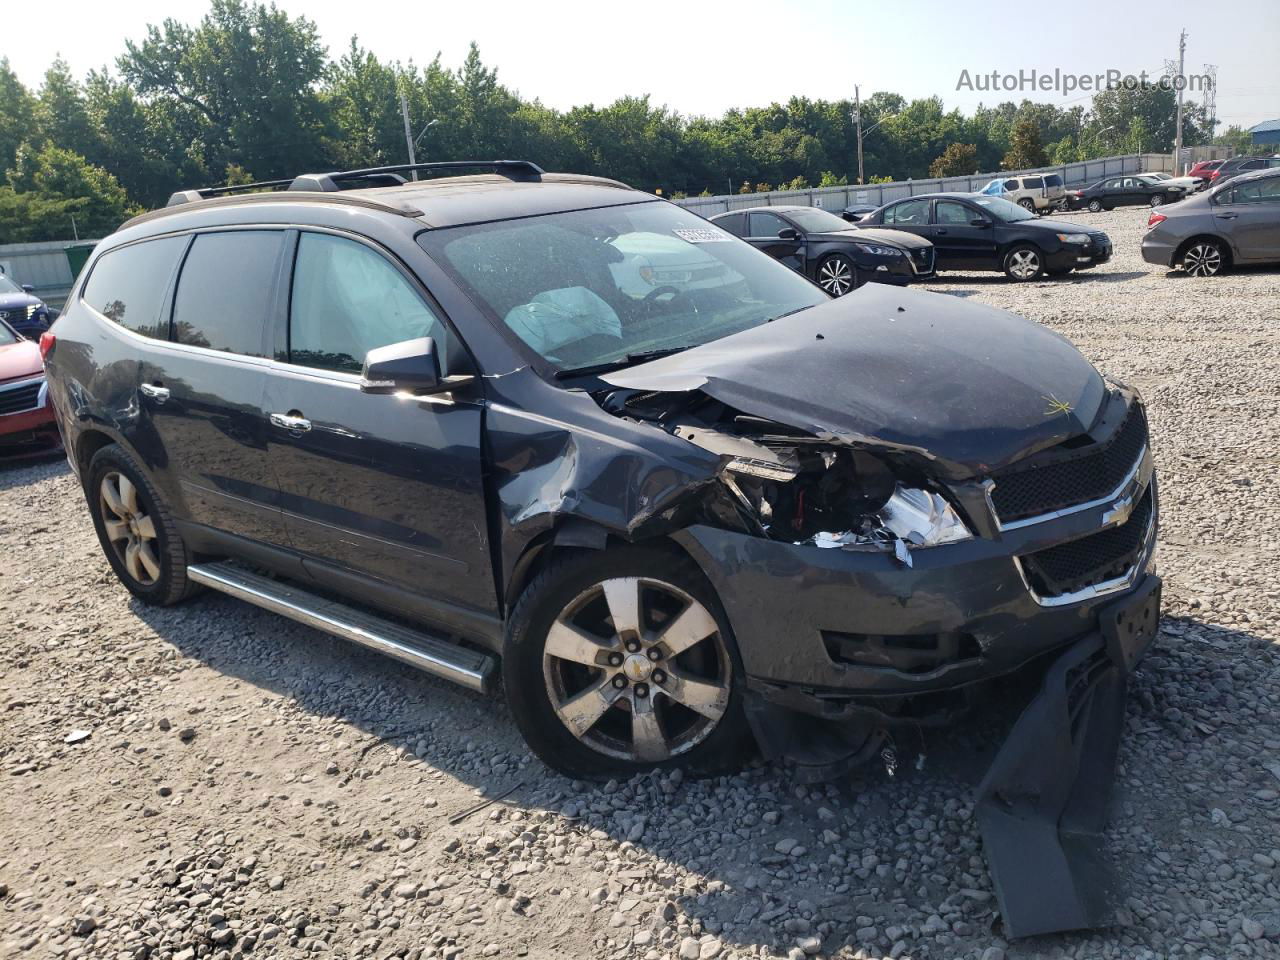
(785, 484)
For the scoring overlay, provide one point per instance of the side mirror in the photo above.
(411, 366)
(979, 222)
(28, 288)
(788, 233)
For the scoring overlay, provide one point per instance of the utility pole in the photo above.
(857, 119)
(408, 134)
(1180, 82)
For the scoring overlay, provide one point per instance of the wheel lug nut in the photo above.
(655, 653)
(642, 690)
(615, 659)
(619, 681)
(659, 676)
(633, 645)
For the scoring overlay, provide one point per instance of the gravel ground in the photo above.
(211, 781)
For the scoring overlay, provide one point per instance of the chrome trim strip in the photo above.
(1121, 489)
(468, 668)
(1105, 588)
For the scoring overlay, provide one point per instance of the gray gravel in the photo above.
(210, 781)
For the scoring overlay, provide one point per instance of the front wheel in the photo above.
(1095, 206)
(622, 661)
(1026, 203)
(837, 275)
(135, 529)
(1023, 262)
(1157, 199)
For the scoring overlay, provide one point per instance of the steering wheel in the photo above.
(667, 291)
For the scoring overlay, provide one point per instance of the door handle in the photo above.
(941, 230)
(156, 392)
(1227, 216)
(291, 423)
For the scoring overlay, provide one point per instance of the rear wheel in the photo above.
(1023, 262)
(1204, 258)
(837, 275)
(1095, 206)
(135, 529)
(622, 661)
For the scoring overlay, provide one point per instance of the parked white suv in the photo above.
(1037, 192)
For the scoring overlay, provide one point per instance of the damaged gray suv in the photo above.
(685, 503)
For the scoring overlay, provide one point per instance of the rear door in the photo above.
(1251, 219)
(386, 487)
(960, 244)
(762, 232)
(202, 392)
(911, 216)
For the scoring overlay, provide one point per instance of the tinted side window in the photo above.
(766, 225)
(735, 223)
(1012, 184)
(1053, 180)
(347, 300)
(951, 212)
(128, 285)
(224, 292)
(1033, 183)
(908, 212)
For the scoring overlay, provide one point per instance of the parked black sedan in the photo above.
(973, 231)
(22, 309)
(836, 255)
(1128, 191)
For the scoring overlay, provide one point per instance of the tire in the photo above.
(837, 274)
(1157, 199)
(1022, 263)
(137, 533)
(1205, 258)
(1026, 203)
(545, 691)
(1095, 206)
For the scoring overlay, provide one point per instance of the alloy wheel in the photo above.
(129, 528)
(1156, 199)
(1095, 206)
(1024, 264)
(1202, 260)
(836, 276)
(635, 668)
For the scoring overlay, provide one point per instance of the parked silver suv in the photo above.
(1035, 192)
(1206, 234)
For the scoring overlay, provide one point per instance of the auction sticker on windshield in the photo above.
(702, 235)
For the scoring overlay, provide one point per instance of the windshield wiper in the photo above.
(629, 360)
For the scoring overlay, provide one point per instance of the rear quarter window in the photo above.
(1053, 180)
(225, 289)
(128, 285)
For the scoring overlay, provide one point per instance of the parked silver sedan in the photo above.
(1234, 224)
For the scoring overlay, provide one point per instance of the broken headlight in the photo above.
(923, 518)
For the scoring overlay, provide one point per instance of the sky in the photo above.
(700, 58)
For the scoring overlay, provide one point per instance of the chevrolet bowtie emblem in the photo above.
(1055, 406)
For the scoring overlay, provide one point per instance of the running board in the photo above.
(470, 668)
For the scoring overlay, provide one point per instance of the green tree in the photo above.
(17, 114)
(1236, 137)
(244, 82)
(958, 160)
(61, 181)
(61, 114)
(1025, 151)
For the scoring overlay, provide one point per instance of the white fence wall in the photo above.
(43, 265)
(875, 194)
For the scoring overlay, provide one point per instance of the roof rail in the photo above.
(523, 170)
(191, 196)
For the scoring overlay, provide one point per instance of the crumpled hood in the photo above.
(967, 385)
(899, 238)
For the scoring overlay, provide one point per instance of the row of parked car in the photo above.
(913, 238)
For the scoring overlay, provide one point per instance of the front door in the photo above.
(202, 393)
(960, 244)
(1251, 219)
(763, 230)
(388, 487)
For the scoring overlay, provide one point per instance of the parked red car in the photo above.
(26, 416)
(1204, 169)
